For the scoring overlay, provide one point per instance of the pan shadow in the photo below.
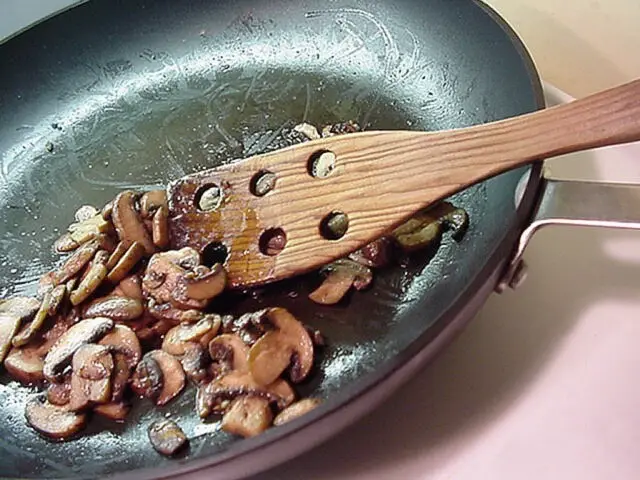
(489, 366)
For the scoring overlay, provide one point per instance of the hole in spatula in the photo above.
(262, 183)
(321, 164)
(334, 226)
(272, 241)
(213, 253)
(208, 198)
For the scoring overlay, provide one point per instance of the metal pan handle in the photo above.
(575, 203)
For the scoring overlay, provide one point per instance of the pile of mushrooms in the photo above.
(124, 317)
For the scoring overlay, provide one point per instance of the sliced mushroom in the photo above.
(420, 231)
(151, 202)
(76, 262)
(88, 229)
(116, 255)
(127, 262)
(249, 326)
(25, 365)
(116, 411)
(167, 437)
(172, 375)
(53, 421)
(290, 344)
(120, 378)
(128, 224)
(334, 287)
(23, 308)
(160, 229)
(45, 284)
(92, 366)
(59, 393)
(195, 361)
(83, 332)
(173, 315)
(147, 380)
(65, 243)
(341, 275)
(296, 410)
(48, 307)
(228, 353)
(9, 326)
(164, 278)
(247, 416)
(89, 284)
(123, 339)
(119, 309)
(376, 254)
(215, 396)
(206, 286)
(177, 339)
(85, 212)
(452, 218)
(131, 287)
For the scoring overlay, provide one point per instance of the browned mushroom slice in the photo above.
(45, 284)
(24, 308)
(65, 243)
(123, 340)
(116, 255)
(195, 361)
(89, 284)
(63, 349)
(204, 287)
(173, 315)
(215, 396)
(9, 326)
(76, 262)
(334, 287)
(377, 254)
(53, 421)
(176, 339)
(92, 366)
(452, 218)
(164, 278)
(119, 309)
(160, 229)
(228, 353)
(25, 365)
(50, 303)
(249, 326)
(88, 229)
(420, 231)
(116, 411)
(290, 344)
(173, 378)
(59, 393)
(247, 416)
(127, 262)
(296, 410)
(120, 377)
(167, 437)
(128, 224)
(131, 287)
(151, 201)
(147, 380)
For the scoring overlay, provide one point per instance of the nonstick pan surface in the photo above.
(115, 94)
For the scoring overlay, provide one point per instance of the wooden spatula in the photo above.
(283, 213)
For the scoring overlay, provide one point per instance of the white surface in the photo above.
(543, 384)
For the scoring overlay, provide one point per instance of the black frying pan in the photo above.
(117, 94)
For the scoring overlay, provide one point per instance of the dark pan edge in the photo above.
(344, 410)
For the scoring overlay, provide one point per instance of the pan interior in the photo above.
(130, 95)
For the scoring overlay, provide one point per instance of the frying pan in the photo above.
(114, 94)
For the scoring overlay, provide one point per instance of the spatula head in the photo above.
(289, 211)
